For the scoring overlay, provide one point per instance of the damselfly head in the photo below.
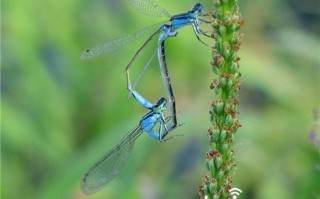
(196, 10)
(161, 104)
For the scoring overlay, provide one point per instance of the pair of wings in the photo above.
(147, 7)
(111, 163)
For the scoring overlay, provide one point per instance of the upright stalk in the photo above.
(223, 112)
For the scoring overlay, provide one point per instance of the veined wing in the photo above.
(143, 71)
(110, 165)
(149, 7)
(113, 45)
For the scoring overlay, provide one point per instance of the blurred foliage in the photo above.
(61, 114)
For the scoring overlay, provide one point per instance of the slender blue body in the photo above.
(110, 164)
(169, 30)
(177, 21)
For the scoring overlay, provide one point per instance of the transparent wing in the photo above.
(113, 45)
(149, 7)
(135, 84)
(110, 165)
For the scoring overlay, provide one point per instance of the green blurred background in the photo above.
(61, 114)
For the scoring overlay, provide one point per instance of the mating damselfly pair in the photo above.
(110, 165)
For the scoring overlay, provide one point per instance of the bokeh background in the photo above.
(60, 114)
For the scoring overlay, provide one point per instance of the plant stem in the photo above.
(223, 111)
